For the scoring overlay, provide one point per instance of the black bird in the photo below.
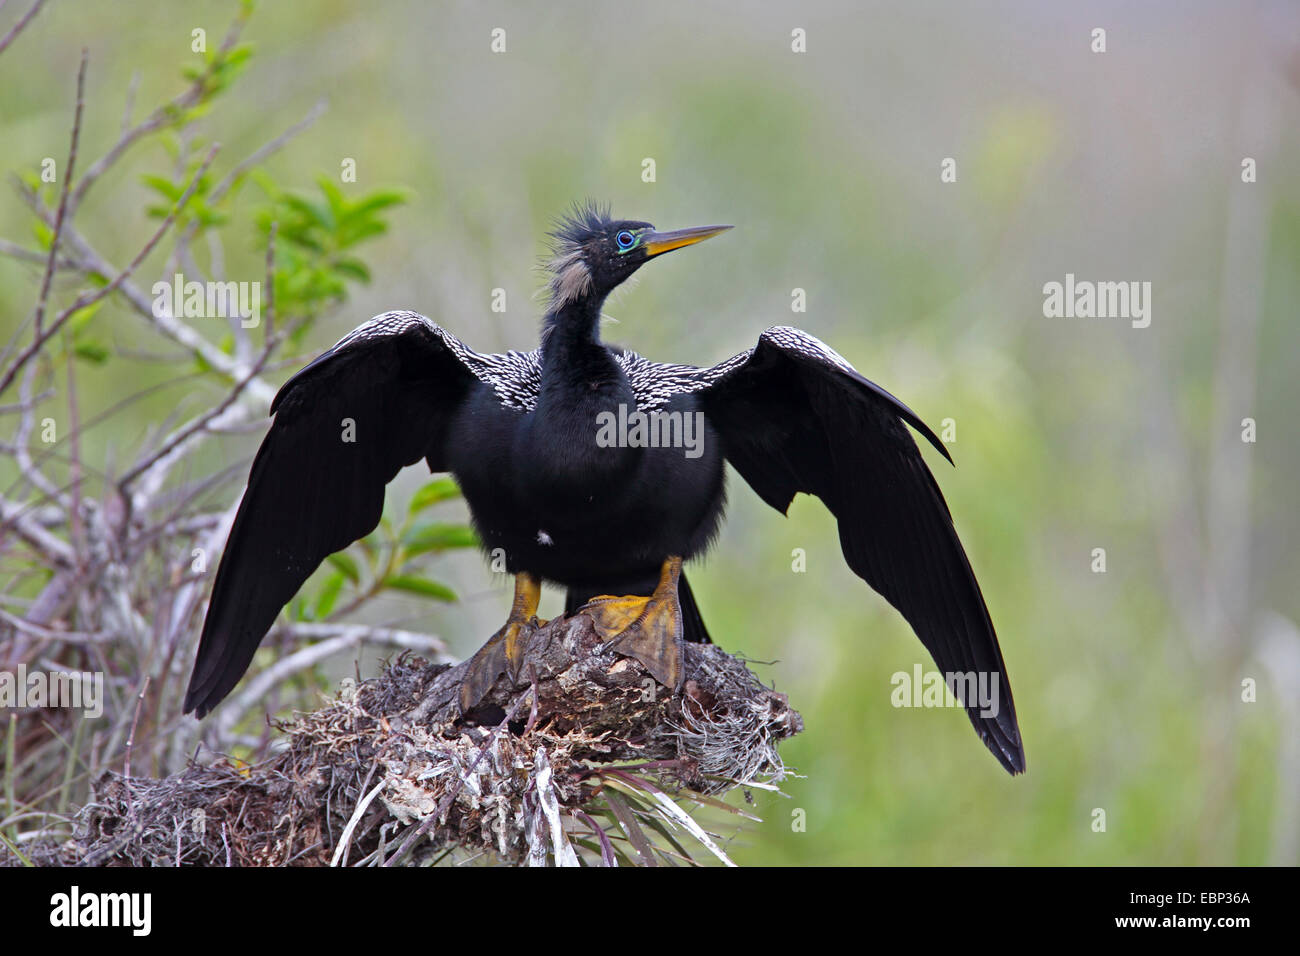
(546, 449)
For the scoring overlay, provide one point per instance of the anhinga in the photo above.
(611, 522)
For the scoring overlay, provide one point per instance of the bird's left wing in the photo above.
(793, 416)
(380, 399)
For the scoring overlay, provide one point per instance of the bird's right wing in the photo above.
(380, 399)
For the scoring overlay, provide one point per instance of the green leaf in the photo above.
(265, 182)
(164, 186)
(334, 196)
(312, 231)
(91, 351)
(346, 565)
(298, 610)
(630, 827)
(329, 595)
(375, 201)
(422, 586)
(238, 55)
(313, 212)
(205, 214)
(12, 848)
(437, 536)
(440, 489)
(352, 269)
(81, 318)
(353, 233)
(43, 233)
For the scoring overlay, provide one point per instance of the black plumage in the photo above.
(518, 431)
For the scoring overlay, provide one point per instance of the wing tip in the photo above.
(936, 442)
(198, 700)
(1005, 744)
(1013, 761)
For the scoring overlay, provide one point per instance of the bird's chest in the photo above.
(568, 446)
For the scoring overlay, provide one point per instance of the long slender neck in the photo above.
(571, 336)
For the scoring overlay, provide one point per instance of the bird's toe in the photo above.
(647, 629)
(504, 652)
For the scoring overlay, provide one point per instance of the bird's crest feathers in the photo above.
(570, 275)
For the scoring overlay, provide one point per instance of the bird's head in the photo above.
(593, 253)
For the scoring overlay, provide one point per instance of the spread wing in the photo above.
(794, 416)
(381, 399)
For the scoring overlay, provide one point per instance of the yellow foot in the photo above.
(504, 650)
(647, 628)
(506, 647)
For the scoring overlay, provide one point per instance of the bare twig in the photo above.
(267, 149)
(15, 516)
(200, 423)
(44, 296)
(270, 280)
(18, 27)
(14, 251)
(130, 740)
(47, 634)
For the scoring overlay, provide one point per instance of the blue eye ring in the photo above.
(625, 240)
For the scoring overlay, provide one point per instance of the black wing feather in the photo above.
(310, 493)
(794, 417)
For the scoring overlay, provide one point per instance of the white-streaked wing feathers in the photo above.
(655, 383)
(516, 376)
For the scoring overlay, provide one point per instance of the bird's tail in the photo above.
(692, 619)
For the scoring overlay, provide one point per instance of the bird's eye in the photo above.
(625, 240)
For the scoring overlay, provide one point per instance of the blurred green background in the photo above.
(1071, 434)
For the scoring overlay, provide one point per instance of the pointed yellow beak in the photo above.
(657, 243)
